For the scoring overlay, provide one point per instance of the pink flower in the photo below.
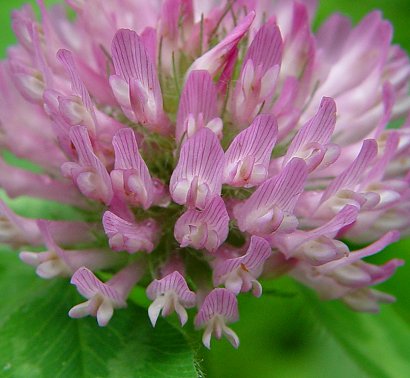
(203, 229)
(270, 207)
(240, 273)
(58, 262)
(135, 83)
(171, 293)
(103, 298)
(259, 73)
(130, 177)
(350, 277)
(195, 110)
(198, 174)
(89, 174)
(130, 236)
(247, 158)
(219, 307)
(182, 128)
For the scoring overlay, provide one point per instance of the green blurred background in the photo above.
(281, 335)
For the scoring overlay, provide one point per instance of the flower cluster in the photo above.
(208, 144)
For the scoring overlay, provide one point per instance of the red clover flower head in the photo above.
(221, 136)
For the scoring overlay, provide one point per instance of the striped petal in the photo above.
(270, 207)
(244, 269)
(129, 236)
(216, 58)
(83, 112)
(318, 246)
(168, 294)
(198, 174)
(102, 297)
(206, 228)
(345, 183)
(259, 72)
(220, 302)
(136, 83)
(197, 105)
(90, 174)
(247, 158)
(311, 142)
(130, 177)
(88, 285)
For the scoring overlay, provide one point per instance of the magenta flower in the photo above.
(223, 138)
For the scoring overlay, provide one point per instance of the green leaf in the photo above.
(379, 344)
(38, 339)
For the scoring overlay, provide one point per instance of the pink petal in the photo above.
(383, 272)
(91, 176)
(370, 250)
(198, 174)
(173, 14)
(350, 177)
(16, 229)
(78, 87)
(390, 148)
(372, 32)
(367, 300)
(26, 230)
(218, 302)
(266, 48)
(44, 228)
(37, 185)
(299, 55)
(260, 69)
(198, 99)
(290, 243)
(155, 309)
(314, 135)
(133, 64)
(172, 282)
(129, 236)
(104, 313)
(149, 40)
(254, 258)
(271, 205)
(89, 286)
(79, 311)
(50, 268)
(389, 99)
(215, 59)
(206, 228)
(130, 178)
(232, 337)
(21, 21)
(255, 142)
(332, 37)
